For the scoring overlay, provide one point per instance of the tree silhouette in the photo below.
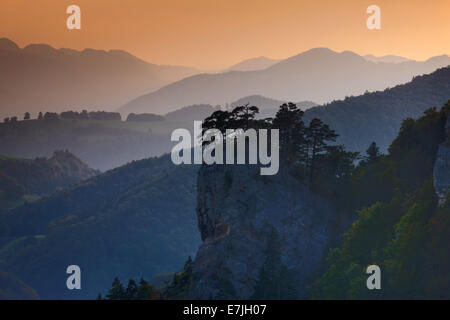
(317, 136)
(243, 117)
(274, 280)
(372, 153)
(132, 290)
(179, 287)
(146, 291)
(117, 291)
(288, 120)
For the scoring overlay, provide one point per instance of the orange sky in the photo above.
(217, 33)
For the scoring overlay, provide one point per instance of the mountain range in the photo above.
(319, 75)
(104, 145)
(39, 77)
(386, 59)
(138, 220)
(378, 116)
(262, 62)
(253, 64)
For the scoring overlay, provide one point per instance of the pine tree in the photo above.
(317, 136)
(132, 290)
(179, 287)
(117, 291)
(373, 153)
(288, 121)
(274, 280)
(146, 291)
(244, 116)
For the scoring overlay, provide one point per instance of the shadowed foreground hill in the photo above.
(404, 222)
(12, 288)
(137, 220)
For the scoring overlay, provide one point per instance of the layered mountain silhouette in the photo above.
(137, 220)
(386, 59)
(267, 107)
(359, 120)
(253, 64)
(319, 75)
(40, 78)
(264, 103)
(378, 116)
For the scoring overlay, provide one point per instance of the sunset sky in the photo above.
(212, 34)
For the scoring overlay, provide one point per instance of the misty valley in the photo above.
(323, 175)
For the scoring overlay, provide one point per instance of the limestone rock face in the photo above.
(442, 167)
(237, 209)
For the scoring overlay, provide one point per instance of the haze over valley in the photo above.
(344, 114)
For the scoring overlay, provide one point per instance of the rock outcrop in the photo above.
(442, 167)
(237, 209)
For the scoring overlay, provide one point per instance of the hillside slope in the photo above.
(45, 175)
(404, 222)
(378, 116)
(137, 220)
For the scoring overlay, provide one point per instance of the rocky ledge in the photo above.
(237, 209)
(442, 167)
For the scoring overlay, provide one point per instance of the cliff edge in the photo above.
(237, 209)
(441, 173)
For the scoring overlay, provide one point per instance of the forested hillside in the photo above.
(45, 175)
(137, 220)
(25, 180)
(400, 227)
(378, 116)
(12, 288)
(100, 139)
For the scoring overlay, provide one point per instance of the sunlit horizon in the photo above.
(213, 35)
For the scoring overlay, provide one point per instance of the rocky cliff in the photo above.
(442, 167)
(237, 209)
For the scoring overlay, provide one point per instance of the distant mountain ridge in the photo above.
(378, 116)
(319, 75)
(264, 103)
(253, 64)
(39, 77)
(386, 59)
(268, 107)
